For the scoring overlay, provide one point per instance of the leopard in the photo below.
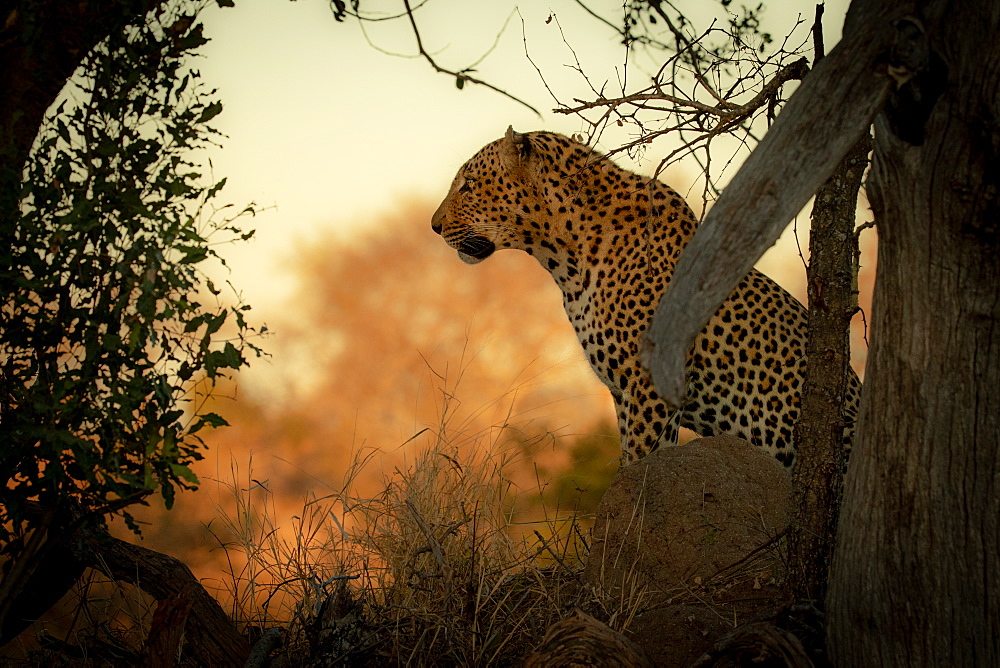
(611, 238)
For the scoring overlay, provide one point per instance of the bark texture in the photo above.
(187, 618)
(580, 640)
(210, 637)
(41, 44)
(756, 643)
(916, 577)
(819, 433)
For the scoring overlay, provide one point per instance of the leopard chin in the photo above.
(474, 250)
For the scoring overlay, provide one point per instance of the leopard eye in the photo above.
(467, 184)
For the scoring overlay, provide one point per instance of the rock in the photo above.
(682, 514)
(672, 538)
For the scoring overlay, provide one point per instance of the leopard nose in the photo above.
(437, 221)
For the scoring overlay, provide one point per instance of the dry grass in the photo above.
(436, 569)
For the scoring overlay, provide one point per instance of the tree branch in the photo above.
(825, 117)
(460, 76)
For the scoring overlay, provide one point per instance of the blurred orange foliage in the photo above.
(384, 322)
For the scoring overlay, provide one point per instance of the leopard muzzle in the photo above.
(473, 250)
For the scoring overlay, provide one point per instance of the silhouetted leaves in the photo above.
(104, 332)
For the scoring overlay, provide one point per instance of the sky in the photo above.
(325, 130)
(329, 131)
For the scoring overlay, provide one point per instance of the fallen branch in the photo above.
(210, 636)
(756, 643)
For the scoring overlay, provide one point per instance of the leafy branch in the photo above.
(111, 328)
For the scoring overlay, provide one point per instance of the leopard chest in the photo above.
(610, 309)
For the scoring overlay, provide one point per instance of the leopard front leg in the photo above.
(644, 422)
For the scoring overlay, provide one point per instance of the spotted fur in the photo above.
(611, 239)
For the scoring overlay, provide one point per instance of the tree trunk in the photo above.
(916, 576)
(41, 44)
(819, 433)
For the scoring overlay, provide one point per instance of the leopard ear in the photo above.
(514, 148)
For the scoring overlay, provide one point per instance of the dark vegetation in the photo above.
(110, 320)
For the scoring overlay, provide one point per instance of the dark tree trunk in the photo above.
(817, 483)
(41, 44)
(916, 576)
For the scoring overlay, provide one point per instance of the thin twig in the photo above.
(547, 548)
(462, 75)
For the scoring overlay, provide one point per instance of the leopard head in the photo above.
(505, 195)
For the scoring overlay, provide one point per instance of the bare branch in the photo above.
(713, 82)
(388, 17)
(819, 50)
(705, 120)
(541, 75)
(795, 71)
(639, 97)
(764, 196)
(461, 76)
